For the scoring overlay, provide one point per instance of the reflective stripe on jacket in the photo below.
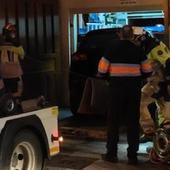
(10, 61)
(123, 69)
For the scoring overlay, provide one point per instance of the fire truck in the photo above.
(27, 138)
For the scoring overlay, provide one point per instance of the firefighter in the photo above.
(125, 63)
(157, 89)
(11, 52)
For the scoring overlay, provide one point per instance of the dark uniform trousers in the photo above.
(124, 105)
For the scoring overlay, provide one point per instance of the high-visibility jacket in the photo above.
(159, 53)
(124, 59)
(10, 61)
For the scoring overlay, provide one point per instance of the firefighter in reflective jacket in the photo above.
(10, 54)
(125, 63)
(157, 89)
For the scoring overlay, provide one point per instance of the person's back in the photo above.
(123, 58)
(127, 57)
(125, 63)
(11, 52)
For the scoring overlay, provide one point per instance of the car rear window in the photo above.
(98, 39)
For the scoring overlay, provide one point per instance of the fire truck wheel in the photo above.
(24, 152)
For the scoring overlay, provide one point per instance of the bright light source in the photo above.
(159, 25)
(61, 139)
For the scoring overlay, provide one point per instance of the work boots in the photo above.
(132, 158)
(110, 157)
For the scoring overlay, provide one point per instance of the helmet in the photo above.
(9, 32)
(8, 28)
(138, 30)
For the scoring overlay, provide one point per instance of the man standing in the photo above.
(126, 64)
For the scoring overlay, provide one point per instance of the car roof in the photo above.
(98, 39)
(105, 31)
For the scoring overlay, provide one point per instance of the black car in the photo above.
(88, 94)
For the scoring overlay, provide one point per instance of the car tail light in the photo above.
(79, 57)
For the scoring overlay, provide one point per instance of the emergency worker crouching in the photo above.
(11, 52)
(157, 89)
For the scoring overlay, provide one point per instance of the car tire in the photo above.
(8, 105)
(22, 153)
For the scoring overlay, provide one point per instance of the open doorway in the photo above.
(150, 20)
(93, 32)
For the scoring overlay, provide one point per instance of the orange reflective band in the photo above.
(125, 70)
(103, 65)
(146, 67)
